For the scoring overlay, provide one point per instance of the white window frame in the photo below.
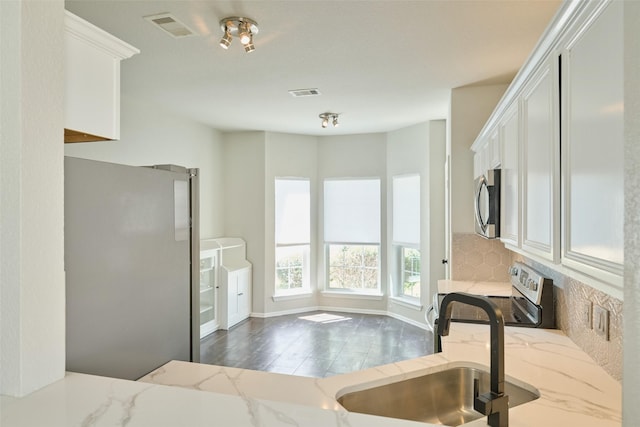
(402, 273)
(403, 238)
(303, 243)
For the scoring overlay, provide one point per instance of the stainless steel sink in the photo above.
(444, 397)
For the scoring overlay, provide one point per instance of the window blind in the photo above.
(293, 211)
(352, 211)
(406, 209)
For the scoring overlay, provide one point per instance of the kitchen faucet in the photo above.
(495, 403)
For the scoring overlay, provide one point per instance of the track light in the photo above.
(329, 116)
(245, 37)
(249, 47)
(225, 41)
(241, 27)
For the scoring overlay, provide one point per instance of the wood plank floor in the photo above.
(316, 344)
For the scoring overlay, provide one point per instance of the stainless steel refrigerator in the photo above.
(131, 247)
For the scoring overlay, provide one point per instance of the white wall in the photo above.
(32, 298)
(420, 149)
(469, 110)
(254, 159)
(436, 185)
(287, 155)
(630, 407)
(151, 136)
(244, 201)
(352, 156)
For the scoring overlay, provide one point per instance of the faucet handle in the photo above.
(482, 402)
(495, 405)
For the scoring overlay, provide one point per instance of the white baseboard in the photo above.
(353, 310)
(408, 320)
(340, 310)
(285, 312)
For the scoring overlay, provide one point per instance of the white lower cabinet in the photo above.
(593, 146)
(235, 282)
(238, 295)
(208, 291)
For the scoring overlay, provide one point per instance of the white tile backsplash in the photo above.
(474, 258)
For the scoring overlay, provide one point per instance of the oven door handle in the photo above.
(430, 323)
(431, 319)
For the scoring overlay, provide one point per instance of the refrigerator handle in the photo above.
(194, 198)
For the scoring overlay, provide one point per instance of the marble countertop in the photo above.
(90, 401)
(475, 287)
(573, 389)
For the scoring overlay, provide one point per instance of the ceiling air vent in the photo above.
(304, 92)
(170, 24)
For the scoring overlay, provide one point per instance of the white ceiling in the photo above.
(383, 65)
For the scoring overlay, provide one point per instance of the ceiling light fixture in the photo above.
(243, 28)
(329, 116)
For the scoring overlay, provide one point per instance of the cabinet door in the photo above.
(479, 163)
(494, 151)
(92, 81)
(244, 292)
(593, 144)
(232, 302)
(540, 163)
(510, 179)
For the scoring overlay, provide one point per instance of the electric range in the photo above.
(530, 304)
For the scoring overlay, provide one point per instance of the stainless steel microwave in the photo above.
(487, 204)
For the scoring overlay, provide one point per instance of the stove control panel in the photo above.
(528, 281)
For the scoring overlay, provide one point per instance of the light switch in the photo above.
(601, 321)
(587, 314)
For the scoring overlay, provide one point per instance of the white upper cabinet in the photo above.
(494, 151)
(488, 154)
(480, 160)
(541, 163)
(92, 81)
(561, 131)
(509, 130)
(592, 156)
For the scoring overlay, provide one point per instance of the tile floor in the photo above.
(316, 344)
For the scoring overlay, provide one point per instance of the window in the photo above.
(410, 275)
(354, 267)
(352, 234)
(293, 236)
(406, 235)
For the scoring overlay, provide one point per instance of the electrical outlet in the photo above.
(587, 314)
(601, 321)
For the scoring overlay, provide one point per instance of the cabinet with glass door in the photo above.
(208, 291)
